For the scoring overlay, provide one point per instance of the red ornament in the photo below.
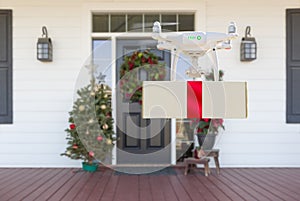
(72, 126)
(99, 138)
(75, 146)
(91, 153)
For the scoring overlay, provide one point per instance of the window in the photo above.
(141, 22)
(293, 66)
(5, 66)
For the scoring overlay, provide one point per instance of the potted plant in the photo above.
(90, 133)
(207, 129)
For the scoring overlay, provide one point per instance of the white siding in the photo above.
(43, 91)
(264, 139)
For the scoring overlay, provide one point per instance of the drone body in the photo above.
(193, 44)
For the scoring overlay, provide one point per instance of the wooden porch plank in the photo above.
(255, 185)
(248, 188)
(67, 186)
(33, 195)
(168, 192)
(12, 175)
(225, 188)
(76, 188)
(85, 192)
(213, 189)
(195, 188)
(127, 188)
(145, 188)
(100, 186)
(156, 190)
(31, 185)
(19, 180)
(60, 183)
(287, 173)
(181, 192)
(270, 184)
(236, 188)
(109, 189)
(286, 181)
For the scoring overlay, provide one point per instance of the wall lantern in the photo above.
(44, 46)
(248, 46)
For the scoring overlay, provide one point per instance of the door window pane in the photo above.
(118, 23)
(100, 23)
(186, 23)
(135, 23)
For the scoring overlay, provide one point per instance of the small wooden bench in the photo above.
(204, 160)
(215, 154)
(188, 162)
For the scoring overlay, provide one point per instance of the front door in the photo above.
(140, 141)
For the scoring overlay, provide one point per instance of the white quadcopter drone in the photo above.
(194, 45)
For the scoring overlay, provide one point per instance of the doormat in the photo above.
(145, 171)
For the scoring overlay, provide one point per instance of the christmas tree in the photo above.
(90, 133)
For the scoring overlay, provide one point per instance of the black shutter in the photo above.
(6, 66)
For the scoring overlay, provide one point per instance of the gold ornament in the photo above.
(103, 107)
(96, 88)
(92, 94)
(108, 141)
(105, 96)
(68, 153)
(81, 108)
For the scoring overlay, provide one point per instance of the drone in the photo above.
(194, 45)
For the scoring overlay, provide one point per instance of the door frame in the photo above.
(114, 38)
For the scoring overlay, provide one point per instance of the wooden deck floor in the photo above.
(105, 185)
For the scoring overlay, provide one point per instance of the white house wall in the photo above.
(43, 92)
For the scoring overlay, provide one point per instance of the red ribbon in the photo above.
(194, 99)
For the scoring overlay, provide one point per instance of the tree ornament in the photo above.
(108, 141)
(92, 94)
(103, 107)
(105, 126)
(68, 153)
(91, 153)
(105, 96)
(91, 121)
(75, 146)
(81, 108)
(99, 138)
(96, 88)
(72, 126)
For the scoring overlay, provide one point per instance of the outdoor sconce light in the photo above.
(44, 46)
(248, 46)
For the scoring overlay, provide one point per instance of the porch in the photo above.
(72, 184)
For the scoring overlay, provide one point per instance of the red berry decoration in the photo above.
(72, 126)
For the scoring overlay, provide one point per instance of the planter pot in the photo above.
(89, 167)
(207, 141)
